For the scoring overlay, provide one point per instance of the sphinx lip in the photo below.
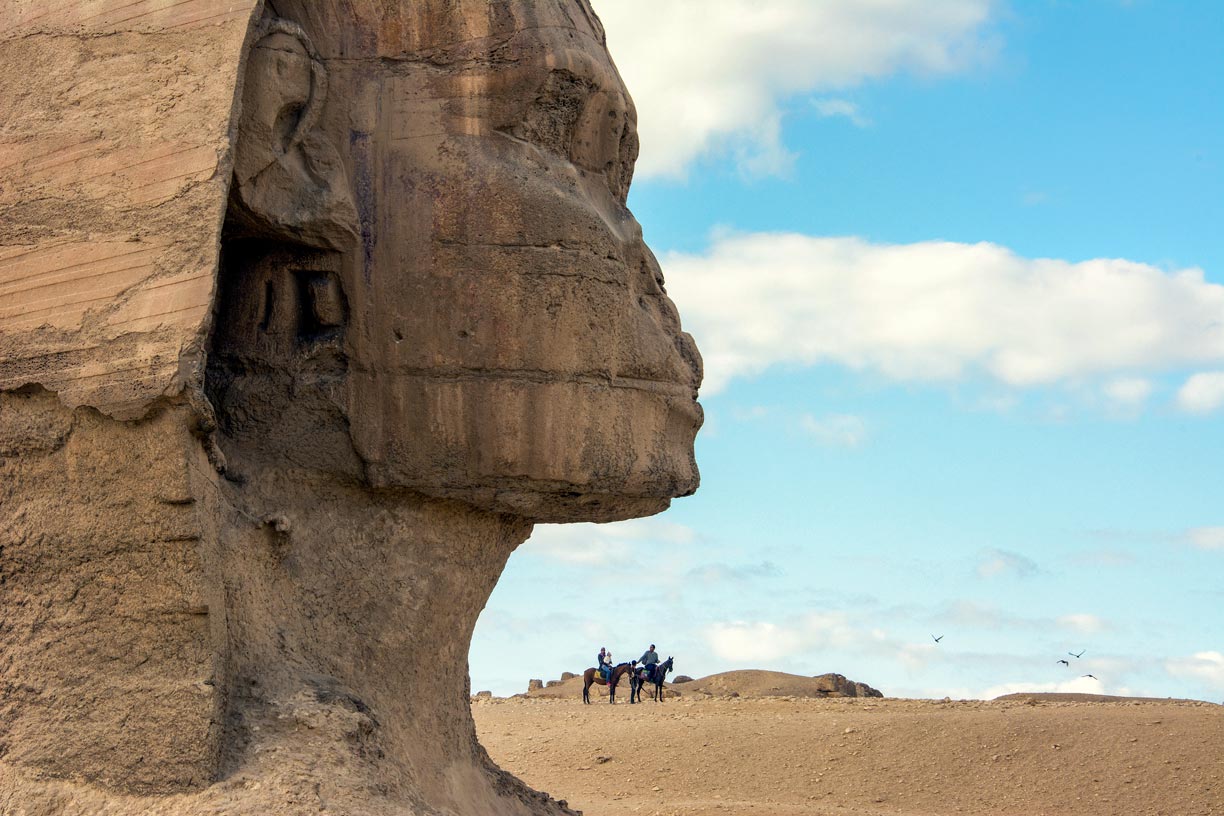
(669, 388)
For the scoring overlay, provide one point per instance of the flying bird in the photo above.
(1081, 654)
(1093, 676)
(936, 639)
(1065, 663)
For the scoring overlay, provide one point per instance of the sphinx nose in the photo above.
(691, 355)
(653, 289)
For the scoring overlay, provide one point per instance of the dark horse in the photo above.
(592, 676)
(639, 679)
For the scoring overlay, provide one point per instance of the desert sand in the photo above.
(697, 754)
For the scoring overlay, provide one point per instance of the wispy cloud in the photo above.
(713, 76)
(835, 430)
(1003, 563)
(718, 573)
(596, 544)
(1206, 667)
(743, 642)
(1202, 393)
(1080, 685)
(1104, 558)
(756, 412)
(1206, 538)
(1128, 392)
(1083, 623)
(966, 614)
(940, 311)
(830, 108)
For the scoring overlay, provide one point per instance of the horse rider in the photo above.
(604, 662)
(649, 659)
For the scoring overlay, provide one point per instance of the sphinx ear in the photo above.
(288, 182)
(279, 98)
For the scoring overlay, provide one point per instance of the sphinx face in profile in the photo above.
(429, 259)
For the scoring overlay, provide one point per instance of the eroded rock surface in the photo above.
(308, 311)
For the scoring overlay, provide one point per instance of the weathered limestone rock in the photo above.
(842, 686)
(308, 311)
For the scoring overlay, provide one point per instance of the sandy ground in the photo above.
(780, 756)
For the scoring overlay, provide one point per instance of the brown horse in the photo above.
(592, 676)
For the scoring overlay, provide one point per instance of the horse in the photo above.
(592, 676)
(636, 681)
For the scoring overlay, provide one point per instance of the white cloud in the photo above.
(917, 656)
(597, 544)
(1080, 685)
(1206, 538)
(1083, 623)
(1202, 393)
(938, 311)
(761, 641)
(830, 108)
(1207, 667)
(835, 430)
(714, 75)
(1128, 392)
(995, 563)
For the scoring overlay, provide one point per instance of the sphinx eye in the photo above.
(552, 120)
(593, 129)
(621, 174)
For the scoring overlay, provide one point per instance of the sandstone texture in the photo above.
(308, 312)
(115, 162)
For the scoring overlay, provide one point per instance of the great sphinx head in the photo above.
(430, 279)
(371, 259)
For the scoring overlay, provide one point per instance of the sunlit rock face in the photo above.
(308, 311)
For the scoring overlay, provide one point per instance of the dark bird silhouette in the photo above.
(936, 639)
(1081, 654)
(1065, 663)
(1093, 676)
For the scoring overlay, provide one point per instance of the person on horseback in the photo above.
(604, 663)
(649, 659)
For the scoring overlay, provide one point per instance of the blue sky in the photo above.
(957, 274)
